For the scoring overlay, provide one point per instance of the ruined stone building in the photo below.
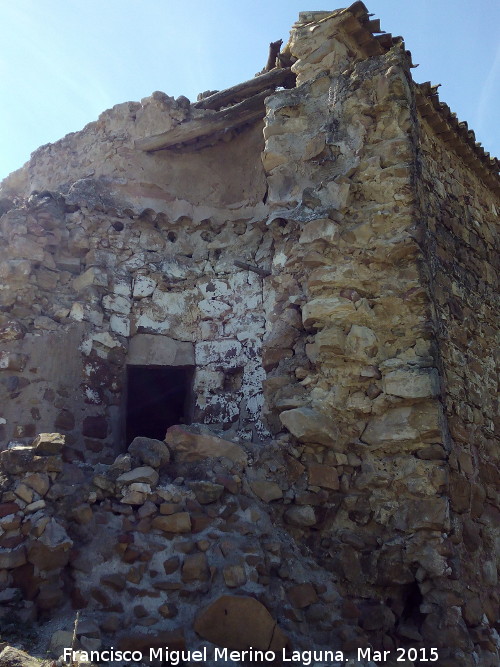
(296, 279)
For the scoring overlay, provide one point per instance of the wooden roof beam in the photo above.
(249, 110)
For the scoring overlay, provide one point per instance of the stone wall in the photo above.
(351, 360)
(84, 273)
(459, 217)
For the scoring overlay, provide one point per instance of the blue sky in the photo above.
(62, 62)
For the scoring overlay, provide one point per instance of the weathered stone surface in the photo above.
(195, 568)
(115, 581)
(206, 492)
(39, 482)
(303, 515)
(8, 508)
(331, 310)
(234, 576)
(65, 421)
(266, 491)
(48, 443)
(409, 383)
(153, 350)
(173, 523)
(325, 476)
(16, 460)
(189, 447)
(95, 427)
(144, 474)
(12, 330)
(152, 452)
(14, 657)
(239, 623)
(11, 558)
(361, 343)
(310, 426)
(404, 424)
(51, 550)
(302, 595)
(24, 492)
(92, 276)
(12, 361)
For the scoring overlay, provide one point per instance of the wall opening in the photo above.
(157, 397)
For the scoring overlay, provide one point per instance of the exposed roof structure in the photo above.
(244, 102)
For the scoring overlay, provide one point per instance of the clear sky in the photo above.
(62, 62)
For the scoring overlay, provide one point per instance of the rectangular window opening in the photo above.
(158, 397)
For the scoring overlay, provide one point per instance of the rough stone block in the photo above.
(154, 350)
(152, 452)
(173, 523)
(239, 622)
(144, 474)
(302, 595)
(92, 276)
(266, 491)
(310, 426)
(412, 383)
(188, 446)
(48, 444)
(95, 427)
(12, 558)
(195, 568)
(324, 476)
(321, 312)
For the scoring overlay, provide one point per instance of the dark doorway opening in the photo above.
(157, 397)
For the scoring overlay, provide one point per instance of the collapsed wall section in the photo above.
(87, 268)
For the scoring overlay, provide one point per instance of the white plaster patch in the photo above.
(172, 303)
(146, 322)
(119, 325)
(106, 339)
(95, 317)
(116, 304)
(92, 396)
(224, 352)
(279, 259)
(77, 312)
(3, 420)
(214, 308)
(214, 289)
(122, 288)
(86, 346)
(143, 286)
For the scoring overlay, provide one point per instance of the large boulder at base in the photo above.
(154, 453)
(13, 657)
(239, 623)
(188, 446)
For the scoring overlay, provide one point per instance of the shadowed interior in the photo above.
(157, 397)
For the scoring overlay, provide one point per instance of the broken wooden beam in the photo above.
(273, 79)
(249, 267)
(247, 111)
(274, 49)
